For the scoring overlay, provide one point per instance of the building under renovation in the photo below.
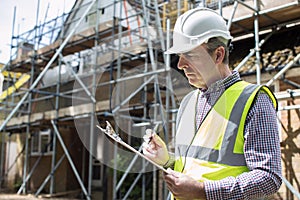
(104, 61)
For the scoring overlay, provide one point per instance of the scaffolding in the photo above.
(108, 62)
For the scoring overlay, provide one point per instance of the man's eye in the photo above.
(190, 55)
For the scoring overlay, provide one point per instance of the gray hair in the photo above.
(214, 43)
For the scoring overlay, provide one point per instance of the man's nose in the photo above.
(181, 63)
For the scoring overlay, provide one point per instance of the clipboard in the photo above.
(109, 131)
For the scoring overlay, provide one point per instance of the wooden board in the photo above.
(272, 13)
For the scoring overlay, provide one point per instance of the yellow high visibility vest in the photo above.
(215, 150)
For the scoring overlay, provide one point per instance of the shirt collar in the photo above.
(222, 84)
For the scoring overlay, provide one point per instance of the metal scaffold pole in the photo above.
(256, 37)
(29, 111)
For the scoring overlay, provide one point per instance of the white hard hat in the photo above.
(195, 27)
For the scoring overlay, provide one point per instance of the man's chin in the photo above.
(197, 85)
(194, 82)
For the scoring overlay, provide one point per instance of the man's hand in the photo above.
(155, 148)
(183, 186)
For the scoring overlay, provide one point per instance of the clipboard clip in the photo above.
(110, 131)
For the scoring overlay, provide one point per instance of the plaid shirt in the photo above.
(261, 147)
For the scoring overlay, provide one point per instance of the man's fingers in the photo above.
(152, 138)
(170, 177)
(149, 155)
(157, 140)
(150, 145)
(148, 136)
(149, 150)
(173, 173)
(170, 181)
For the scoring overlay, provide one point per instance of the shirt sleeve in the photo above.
(262, 154)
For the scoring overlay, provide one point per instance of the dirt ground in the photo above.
(27, 197)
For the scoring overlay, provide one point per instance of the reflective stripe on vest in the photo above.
(218, 144)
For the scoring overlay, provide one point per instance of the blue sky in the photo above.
(26, 14)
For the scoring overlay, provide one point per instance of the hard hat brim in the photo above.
(183, 48)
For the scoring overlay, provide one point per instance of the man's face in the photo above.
(198, 67)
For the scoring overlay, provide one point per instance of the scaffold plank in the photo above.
(71, 111)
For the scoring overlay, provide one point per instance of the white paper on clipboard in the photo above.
(111, 133)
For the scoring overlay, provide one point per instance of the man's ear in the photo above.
(220, 53)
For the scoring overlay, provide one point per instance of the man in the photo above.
(227, 140)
